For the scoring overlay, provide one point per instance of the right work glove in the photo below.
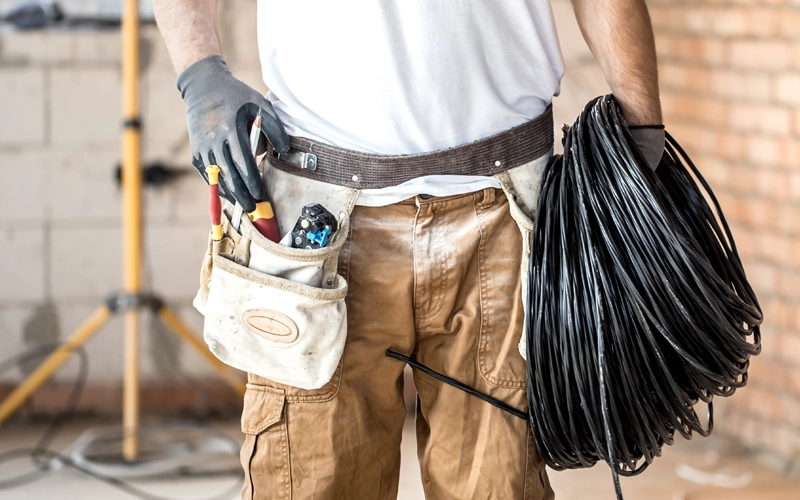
(219, 112)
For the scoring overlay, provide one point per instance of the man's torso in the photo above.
(407, 76)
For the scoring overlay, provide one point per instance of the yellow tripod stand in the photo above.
(132, 299)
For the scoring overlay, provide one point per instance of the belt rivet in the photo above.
(497, 163)
(355, 178)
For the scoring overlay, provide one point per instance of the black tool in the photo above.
(314, 228)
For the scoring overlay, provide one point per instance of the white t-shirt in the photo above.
(408, 76)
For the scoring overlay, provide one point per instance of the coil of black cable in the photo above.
(639, 305)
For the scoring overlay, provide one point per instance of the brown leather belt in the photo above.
(486, 157)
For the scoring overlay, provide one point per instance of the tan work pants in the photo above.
(437, 279)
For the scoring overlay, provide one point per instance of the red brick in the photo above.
(775, 248)
(762, 118)
(743, 236)
(773, 151)
(776, 313)
(765, 404)
(795, 255)
(761, 54)
(789, 219)
(768, 372)
(763, 277)
(790, 288)
(772, 184)
(788, 346)
(691, 49)
(790, 407)
(790, 23)
(793, 321)
(794, 186)
(741, 85)
(787, 88)
(797, 123)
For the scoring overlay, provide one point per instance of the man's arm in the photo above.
(189, 28)
(219, 108)
(620, 36)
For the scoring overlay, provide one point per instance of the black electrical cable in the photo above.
(458, 385)
(41, 455)
(639, 305)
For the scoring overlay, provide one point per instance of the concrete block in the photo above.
(12, 319)
(104, 349)
(98, 46)
(22, 101)
(191, 201)
(191, 362)
(25, 47)
(27, 172)
(154, 50)
(86, 109)
(174, 255)
(163, 115)
(23, 263)
(82, 187)
(86, 261)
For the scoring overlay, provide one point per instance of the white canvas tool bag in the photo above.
(273, 310)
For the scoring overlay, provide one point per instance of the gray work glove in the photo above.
(220, 111)
(651, 140)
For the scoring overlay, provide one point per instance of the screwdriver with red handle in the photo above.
(214, 204)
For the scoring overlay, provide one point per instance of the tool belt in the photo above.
(279, 312)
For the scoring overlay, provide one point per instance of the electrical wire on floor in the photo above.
(46, 460)
(639, 305)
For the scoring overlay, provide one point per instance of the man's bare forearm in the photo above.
(189, 28)
(620, 36)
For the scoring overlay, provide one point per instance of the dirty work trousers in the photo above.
(436, 279)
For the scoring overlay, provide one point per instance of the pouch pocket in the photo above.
(285, 331)
(522, 186)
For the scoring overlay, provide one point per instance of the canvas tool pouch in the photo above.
(272, 310)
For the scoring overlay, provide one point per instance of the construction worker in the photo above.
(437, 114)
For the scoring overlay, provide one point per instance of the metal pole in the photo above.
(132, 222)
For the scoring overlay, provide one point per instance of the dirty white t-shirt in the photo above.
(408, 76)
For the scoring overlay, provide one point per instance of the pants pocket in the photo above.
(265, 452)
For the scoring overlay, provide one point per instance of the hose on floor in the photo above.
(639, 307)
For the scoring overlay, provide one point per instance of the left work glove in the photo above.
(650, 139)
(219, 112)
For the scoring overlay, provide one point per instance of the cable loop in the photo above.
(639, 305)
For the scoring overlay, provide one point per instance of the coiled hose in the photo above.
(639, 305)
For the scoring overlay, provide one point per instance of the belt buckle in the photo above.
(306, 161)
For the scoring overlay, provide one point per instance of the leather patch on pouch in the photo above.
(271, 325)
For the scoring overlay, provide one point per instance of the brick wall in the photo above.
(730, 81)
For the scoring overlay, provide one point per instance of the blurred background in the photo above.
(730, 83)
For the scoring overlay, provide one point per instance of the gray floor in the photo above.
(660, 482)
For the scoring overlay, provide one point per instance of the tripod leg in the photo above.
(53, 362)
(171, 320)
